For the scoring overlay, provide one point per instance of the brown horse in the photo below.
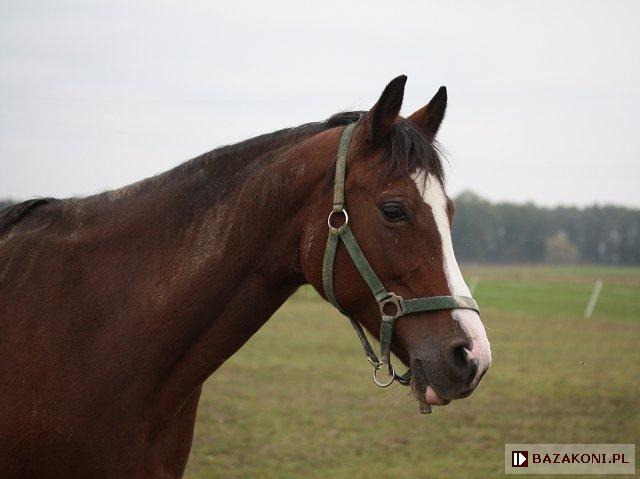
(115, 308)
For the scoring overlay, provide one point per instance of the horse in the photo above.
(115, 308)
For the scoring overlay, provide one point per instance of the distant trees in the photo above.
(509, 233)
(560, 249)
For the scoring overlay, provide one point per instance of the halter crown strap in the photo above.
(341, 167)
(391, 305)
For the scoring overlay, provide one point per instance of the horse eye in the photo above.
(393, 212)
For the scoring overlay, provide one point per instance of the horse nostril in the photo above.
(459, 358)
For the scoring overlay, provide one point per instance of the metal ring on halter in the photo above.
(346, 219)
(392, 378)
(394, 299)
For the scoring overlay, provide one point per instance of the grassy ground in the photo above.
(297, 400)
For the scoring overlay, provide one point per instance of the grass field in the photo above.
(298, 402)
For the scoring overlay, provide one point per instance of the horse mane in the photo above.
(227, 160)
(408, 150)
(285, 135)
(14, 213)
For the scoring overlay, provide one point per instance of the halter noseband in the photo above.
(399, 306)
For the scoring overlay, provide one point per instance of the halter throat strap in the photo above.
(391, 305)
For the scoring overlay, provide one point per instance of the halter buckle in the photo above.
(396, 301)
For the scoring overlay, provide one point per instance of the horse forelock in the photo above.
(409, 151)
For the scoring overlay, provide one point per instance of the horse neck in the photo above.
(221, 268)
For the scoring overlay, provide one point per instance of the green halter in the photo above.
(399, 307)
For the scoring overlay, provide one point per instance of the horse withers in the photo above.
(115, 308)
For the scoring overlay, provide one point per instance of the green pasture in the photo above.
(298, 401)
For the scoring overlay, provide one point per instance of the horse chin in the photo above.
(424, 393)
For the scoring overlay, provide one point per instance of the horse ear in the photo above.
(379, 120)
(428, 118)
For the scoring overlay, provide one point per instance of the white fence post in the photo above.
(594, 299)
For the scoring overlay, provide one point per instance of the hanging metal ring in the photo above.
(392, 377)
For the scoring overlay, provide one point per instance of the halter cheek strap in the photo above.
(391, 305)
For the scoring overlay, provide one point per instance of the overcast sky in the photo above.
(544, 97)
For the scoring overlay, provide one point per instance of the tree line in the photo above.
(485, 232)
(525, 233)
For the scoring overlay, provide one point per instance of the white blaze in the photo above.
(434, 196)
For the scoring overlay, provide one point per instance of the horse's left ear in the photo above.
(428, 118)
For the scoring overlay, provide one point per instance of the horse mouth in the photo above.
(424, 392)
